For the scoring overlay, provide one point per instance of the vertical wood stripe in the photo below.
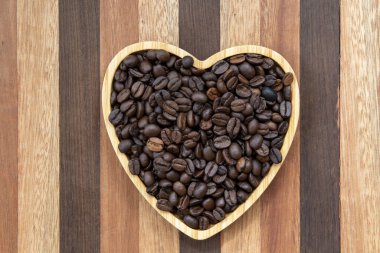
(319, 126)
(38, 128)
(199, 33)
(240, 25)
(360, 126)
(119, 198)
(8, 126)
(158, 20)
(79, 126)
(280, 204)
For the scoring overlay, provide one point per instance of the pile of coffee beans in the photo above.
(200, 140)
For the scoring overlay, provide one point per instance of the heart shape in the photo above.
(242, 208)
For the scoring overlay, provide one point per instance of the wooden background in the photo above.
(61, 186)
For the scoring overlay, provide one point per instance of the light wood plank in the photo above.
(360, 125)
(239, 25)
(158, 20)
(280, 210)
(38, 167)
(119, 199)
(8, 126)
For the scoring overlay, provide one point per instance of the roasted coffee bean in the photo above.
(235, 151)
(152, 130)
(256, 141)
(183, 202)
(134, 166)
(196, 210)
(187, 62)
(285, 109)
(275, 155)
(269, 94)
(220, 119)
(200, 190)
(233, 127)
(241, 196)
(220, 67)
(179, 188)
(288, 79)
(210, 217)
(218, 213)
(179, 164)
(211, 169)
(164, 205)
(173, 199)
(155, 144)
(243, 91)
(160, 83)
(191, 221)
(222, 142)
(263, 150)
(238, 105)
(257, 81)
(203, 223)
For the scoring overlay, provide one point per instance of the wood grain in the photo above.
(280, 206)
(319, 126)
(119, 199)
(199, 24)
(158, 21)
(8, 126)
(360, 126)
(38, 127)
(240, 25)
(79, 126)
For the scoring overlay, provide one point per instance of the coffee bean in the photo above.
(247, 70)
(187, 62)
(173, 199)
(288, 79)
(275, 155)
(222, 142)
(191, 221)
(179, 164)
(134, 166)
(203, 223)
(235, 151)
(179, 188)
(285, 109)
(200, 190)
(152, 130)
(238, 105)
(164, 205)
(183, 202)
(155, 144)
(256, 141)
(220, 67)
(263, 150)
(269, 94)
(218, 213)
(220, 119)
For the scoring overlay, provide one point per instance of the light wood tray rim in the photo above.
(293, 122)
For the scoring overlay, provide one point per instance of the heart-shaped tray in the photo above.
(241, 209)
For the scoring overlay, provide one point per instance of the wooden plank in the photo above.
(38, 128)
(158, 21)
(360, 126)
(79, 121)
(280, 209)
(199, 23)
(199, 26)
(240, 25)
(8, 126)
(119, 199)
(319, 126)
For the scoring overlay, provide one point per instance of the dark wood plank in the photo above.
(320, 228)
(8, 126)
(199, 34)
(119, 198)
(199, 27)
(79, 126)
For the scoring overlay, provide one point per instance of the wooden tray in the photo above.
(230, 218)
